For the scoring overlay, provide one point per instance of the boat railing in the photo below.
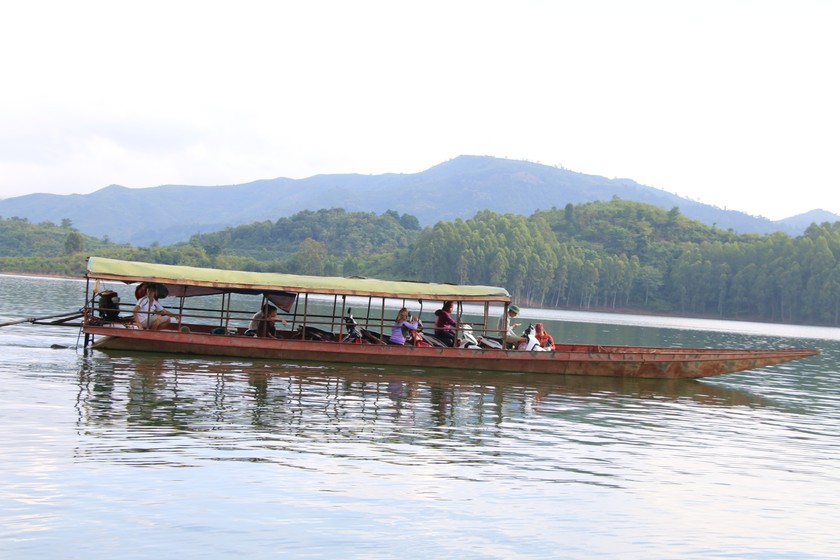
(302, 319)
(385, 323)
(232, 320)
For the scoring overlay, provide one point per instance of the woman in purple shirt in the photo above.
(402, 326)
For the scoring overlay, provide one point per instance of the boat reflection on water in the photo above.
(199, 394)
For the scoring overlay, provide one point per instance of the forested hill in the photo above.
(598, 255)
(458, 188)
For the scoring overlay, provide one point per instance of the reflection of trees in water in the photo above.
(189, 395)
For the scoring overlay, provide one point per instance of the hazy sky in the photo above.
(731, 103)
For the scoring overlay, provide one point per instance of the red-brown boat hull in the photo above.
(567, 359)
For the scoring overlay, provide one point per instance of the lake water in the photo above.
(124, 455)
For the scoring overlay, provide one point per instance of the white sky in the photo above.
(732, 103)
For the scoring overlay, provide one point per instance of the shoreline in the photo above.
(607, 310)
(42, 275)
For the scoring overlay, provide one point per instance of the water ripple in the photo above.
(156, 455)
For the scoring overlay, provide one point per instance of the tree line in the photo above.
(613, 255)
(631, 256)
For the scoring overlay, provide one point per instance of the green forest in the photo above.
(615, 255)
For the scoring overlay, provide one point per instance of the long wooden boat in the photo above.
(318, 310)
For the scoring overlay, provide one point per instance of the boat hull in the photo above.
(568, 359)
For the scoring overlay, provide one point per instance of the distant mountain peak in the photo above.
(457, 188)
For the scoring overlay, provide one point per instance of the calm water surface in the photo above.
(141, 455)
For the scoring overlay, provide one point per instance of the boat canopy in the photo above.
(191, 281)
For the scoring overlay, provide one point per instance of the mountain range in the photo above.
(458, 188)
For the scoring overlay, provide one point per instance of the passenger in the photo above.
(149, 313)
(506, 326)
(403, 327)
(444, 324)
(262, 323)
(545, 339)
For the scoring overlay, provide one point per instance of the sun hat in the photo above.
(514, 308)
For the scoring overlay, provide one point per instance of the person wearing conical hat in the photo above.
(149, 313)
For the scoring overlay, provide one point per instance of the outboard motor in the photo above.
(109, 306)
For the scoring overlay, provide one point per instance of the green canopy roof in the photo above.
(129, 271)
